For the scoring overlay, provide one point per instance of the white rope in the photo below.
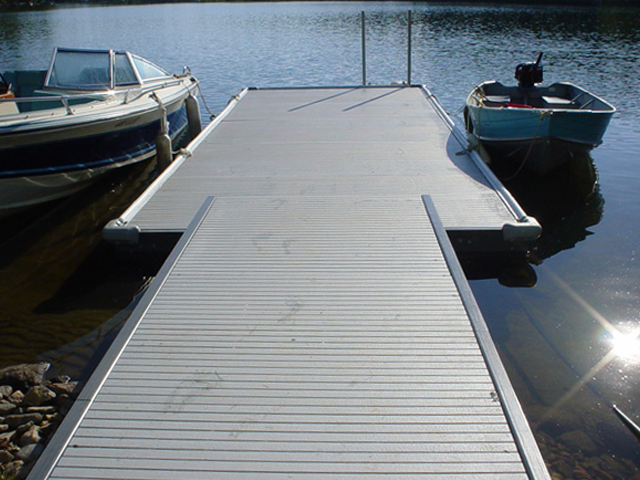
(211, 114)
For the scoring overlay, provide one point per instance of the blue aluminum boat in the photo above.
(90, 112)
(535, 126)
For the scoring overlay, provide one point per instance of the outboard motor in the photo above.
(528, 74)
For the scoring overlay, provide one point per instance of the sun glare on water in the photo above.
(626, 345)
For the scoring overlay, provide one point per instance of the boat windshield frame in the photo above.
(110, 71)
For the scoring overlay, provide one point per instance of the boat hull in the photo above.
(539, 156)
(545, 133)
(42, 161)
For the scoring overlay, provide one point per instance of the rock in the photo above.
(46, 410)
(578, 440)
(16, 397)
(25, 375)
(64, 388)
(61, 379)
(54, 417)
(5, 391)
(5, 456)
(563, 469)
(30, 436)
(13, 468)
(23, 428)
(37, 396)
(6, 408)
(30, 452)
(3, 427)
(14, 421)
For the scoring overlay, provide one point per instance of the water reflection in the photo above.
(567, 202)
(58, 279)
(547, 335)
(625, 342)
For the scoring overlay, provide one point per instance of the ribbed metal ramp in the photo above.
(301, 338)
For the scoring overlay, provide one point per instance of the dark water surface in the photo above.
(570, 343)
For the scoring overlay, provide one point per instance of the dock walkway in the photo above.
(313, 321)
(377, 141)
(302, 338)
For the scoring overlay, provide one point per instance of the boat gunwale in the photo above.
(78, 113)
(610, 109)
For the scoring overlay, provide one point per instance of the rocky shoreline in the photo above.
(31, 408)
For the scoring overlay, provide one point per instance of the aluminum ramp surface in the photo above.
(330, 141)
(303, 338)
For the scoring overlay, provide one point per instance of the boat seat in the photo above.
(8, 108)
(558, 102)
(498, 98)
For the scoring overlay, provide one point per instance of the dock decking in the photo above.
(302, 338)
(331, 141)
(313, 321)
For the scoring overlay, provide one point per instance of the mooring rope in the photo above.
(526, 157)
(204, 101)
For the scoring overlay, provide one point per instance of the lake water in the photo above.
(570, 342)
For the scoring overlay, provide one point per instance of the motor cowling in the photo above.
(528, 74)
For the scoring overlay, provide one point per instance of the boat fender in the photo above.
(164, 154)
(193, 116)
(466, 116)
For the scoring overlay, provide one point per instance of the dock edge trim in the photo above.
(520, 429)
(44, 466)
(525, 228)
(121, 230)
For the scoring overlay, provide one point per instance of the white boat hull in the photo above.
(44, 158)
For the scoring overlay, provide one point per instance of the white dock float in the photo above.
(376, 141)
(301, 337)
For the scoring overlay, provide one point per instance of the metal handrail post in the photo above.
(409, 49)
(364, 53)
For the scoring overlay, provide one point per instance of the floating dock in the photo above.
(313, 321)
(372, 141)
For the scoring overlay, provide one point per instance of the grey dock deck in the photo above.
(301, 337)
(377, 141)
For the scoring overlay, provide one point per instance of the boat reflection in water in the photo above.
(566, 202)
(63, 291)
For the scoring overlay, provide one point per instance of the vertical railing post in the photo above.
(364, 53)
(409, 50)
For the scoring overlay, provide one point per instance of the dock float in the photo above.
(376, 141)
(312, 321)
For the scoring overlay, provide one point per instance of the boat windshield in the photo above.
(82, 70)
(147, 70)
(94, 69)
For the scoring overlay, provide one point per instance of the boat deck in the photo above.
(308, 142)
(301, 337)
